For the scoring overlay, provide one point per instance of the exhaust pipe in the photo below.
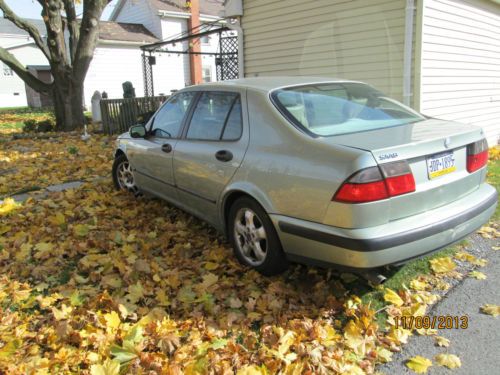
(374, 278)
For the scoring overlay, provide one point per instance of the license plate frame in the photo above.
(440, 164)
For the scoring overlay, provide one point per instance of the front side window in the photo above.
(212, 115)
(168, 121)
(341, 108)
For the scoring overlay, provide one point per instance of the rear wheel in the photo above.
(254, 239)
(123, 178)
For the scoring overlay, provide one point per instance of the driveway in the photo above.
(478, 345)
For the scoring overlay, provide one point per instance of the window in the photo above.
(234, 124)
(212, 115)
(341, 108)
(167, 123)
(205, 39)
(7, 71)
(206, 74)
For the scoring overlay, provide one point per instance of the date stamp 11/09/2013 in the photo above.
(432, 322)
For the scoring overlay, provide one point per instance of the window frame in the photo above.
(191, 113)
(150, 125)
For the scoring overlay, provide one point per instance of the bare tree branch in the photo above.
(12, 62)
(73, 27)
(26, 26)
(51, 15)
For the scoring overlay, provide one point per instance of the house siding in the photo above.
(460, 72)
(111, 66)
(134, 11)
(333, 38)
(12, 88)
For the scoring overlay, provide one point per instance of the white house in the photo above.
(118, 57)
(442, 57)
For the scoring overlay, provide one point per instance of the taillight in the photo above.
(477, 155)
(374, 183)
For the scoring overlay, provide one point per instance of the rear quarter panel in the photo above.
(287, 171)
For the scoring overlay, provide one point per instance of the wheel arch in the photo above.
(230, 195)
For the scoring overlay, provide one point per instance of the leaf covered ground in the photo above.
(93, 281)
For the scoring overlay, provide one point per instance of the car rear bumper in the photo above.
(394, 242)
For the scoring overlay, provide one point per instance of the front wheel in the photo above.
(254, 239)
(123, 178)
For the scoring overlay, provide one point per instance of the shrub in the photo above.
(29, 126)
(73, 150)
(128, 90)
(42, 126)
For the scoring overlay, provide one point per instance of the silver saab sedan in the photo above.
(319, 171)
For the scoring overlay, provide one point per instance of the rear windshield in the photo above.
(341, 108)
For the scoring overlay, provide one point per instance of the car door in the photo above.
(212, 148)
(151, 157)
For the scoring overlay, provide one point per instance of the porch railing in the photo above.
(118, 115)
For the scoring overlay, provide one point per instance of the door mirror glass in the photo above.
(137, 131)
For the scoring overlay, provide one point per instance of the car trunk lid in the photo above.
(436, 151)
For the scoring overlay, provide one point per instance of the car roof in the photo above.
(271, 83)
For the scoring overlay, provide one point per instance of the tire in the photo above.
(254, 239)
(126, 181)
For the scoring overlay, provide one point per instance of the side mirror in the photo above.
(137, 131)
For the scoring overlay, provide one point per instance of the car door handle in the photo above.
(166, 148)
(224, 155)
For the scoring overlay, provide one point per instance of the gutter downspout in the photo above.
(235, 24)
(408, 57)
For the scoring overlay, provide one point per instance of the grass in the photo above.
(493, 178)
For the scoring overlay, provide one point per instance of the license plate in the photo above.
(441, 164)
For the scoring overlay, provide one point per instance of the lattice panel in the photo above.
(147, 71)
(227, 62)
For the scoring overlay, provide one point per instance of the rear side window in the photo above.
(341, 108)
(217, 116)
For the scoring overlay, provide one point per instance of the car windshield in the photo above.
(341, 108)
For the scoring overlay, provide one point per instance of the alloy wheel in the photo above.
(251, 236)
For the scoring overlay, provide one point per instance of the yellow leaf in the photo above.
(480, 262)
(63, 313)
(10, 348)
(285, 342)
(496, 248)
(57, 219)
(442, 341)
(477, 275)
(441, 265)
(448, 360)
(464, 256)
(7, 206)
(208, 280)
(419, 364)
(109, 367)
(491, 309)
(210, 266)
(112, 320)
(384, 355)
(416, 284)
(81, 230)
(136, 292)
(252, 370)
(392, 297)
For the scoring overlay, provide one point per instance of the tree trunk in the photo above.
(68, 103)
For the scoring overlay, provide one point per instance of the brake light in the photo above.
(477, 155)
(374, 183)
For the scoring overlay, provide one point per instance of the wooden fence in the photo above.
(118, 115)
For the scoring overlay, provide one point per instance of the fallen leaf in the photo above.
(477, 275)
(491, 310)
(419, 364)
(448, 360)
(442, 341)
(392, 297)
(441, 265)
(109, 367)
